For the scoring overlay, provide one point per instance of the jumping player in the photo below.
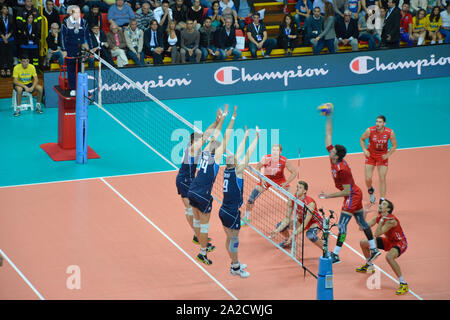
(199, 193)
(272, 166)
(377, 154)
(229, 213)
(352, 194)
(313, 221)
(188, 169)
(390, 238)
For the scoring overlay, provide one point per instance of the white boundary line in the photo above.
(170, 239)
(21, 275)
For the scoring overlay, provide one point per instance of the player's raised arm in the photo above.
(218, 128)
(329, 131)
(241, 148)
(210, 130)
(223, 147)
(362, 142)
(242, 165)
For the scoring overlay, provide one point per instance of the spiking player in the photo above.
(188, 169)
(313, 220)
(229, 213)
(390, 238)
(272, 166)
(352, 194)
(377, 154)
(199, 194)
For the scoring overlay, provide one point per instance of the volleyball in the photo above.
(325, 109)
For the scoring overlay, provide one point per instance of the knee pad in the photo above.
(253, 196)
(196, 223)
(204, 228)
(311, 234)
(189, 211)
(234, 244)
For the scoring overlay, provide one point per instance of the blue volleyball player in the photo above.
(199, 194)
(229, 213)
(188, 169)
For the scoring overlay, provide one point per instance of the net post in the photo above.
(294, 228)
(325, 274)
(81, 118)
(99, 83)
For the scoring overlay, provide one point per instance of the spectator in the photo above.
(445, 28)
(155, 4)
(287, 35)
(195, 12)
(406, 25)
(443, 4)
(207, 40)
(179, 14)
(51, 14)
(355, 8)
(163, 14)
(434, 22)
(419, 27)
(313, 27)
(154, 43)
(172, 40)
(215, 13)
(340, 6)
(226, 41)
(143, 16)
(134, 38)
(416, 5)
(9, 4)
(117, 44)
(28, 37)
(366, 4)
(206, 3)
(303, 10)
(244, 9)
(7, 41)
(347, 31)
(257, 37)
(25, 79)
(60, 7)
(120, 14)
(190, 43)
(98, 44)
(391, 30)
(382, 19)
(321, 5)
(228, 9)
(366, 34)
(79, 3)
(431, 4)
(103, 5)
(54, 51)
(328, 35)
(384, 4)
(22, 14)
(94, 16)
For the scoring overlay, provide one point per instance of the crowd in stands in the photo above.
(195, 30)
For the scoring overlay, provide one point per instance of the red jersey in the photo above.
(405, 21)
(272, 169)
(316, 218)
(341, 172)
(378, 141)
(395, 234)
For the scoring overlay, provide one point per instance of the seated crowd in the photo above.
(193, 30)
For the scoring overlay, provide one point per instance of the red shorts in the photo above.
(353, 203)
(386, 245)
(376, 159)
(266, 185)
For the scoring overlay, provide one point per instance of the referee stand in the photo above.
(325, 279)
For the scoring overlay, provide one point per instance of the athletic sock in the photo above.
(369, 264)
(337, 249)
(247, 214)
(203, 251)
(401, 279)
(441, 41)
(371, 190)
(236, 266)
(372, 244)
(433, 41)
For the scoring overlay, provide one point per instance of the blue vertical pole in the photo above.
(81, 118)
(325, 276)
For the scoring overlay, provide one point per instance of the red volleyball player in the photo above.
(272, 166)
(352, 194)
(390, 238)
(377, 154)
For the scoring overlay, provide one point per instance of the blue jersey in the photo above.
(233, 188)
(188, 166)
(206, 175)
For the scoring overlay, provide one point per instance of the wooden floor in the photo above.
(6, 86)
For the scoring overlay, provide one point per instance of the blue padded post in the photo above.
(81, 118)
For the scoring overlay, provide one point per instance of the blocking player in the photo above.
(352, 206)
(188, 169)
(390, 238)
(313, 220)
(229, 213)
(199, 193)
(272, 166)
(377, 154)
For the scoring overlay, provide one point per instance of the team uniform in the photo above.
(199, 193)
(186, 174)
(342, 174)
(24, 76)
(233, 188)
(274, 171)
(315, 219)
(393, 238)
(378, 146)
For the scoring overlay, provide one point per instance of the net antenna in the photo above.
(146, 129)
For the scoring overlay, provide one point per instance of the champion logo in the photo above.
(359, 65)
(225, 75)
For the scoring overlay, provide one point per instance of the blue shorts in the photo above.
(183, 185)
(231, 218)
(202, 202)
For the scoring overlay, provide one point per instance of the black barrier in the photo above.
(274, 74)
